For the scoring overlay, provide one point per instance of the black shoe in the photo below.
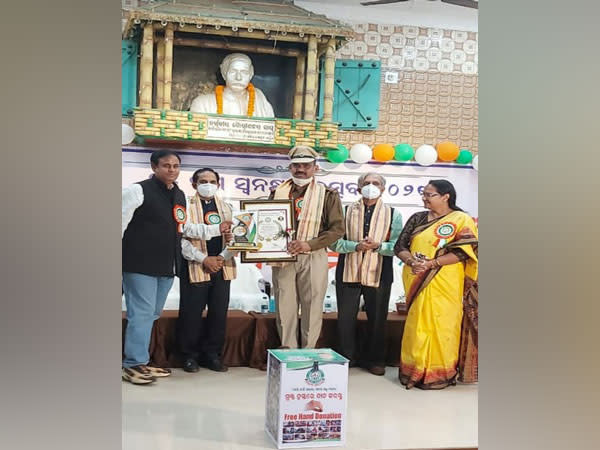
(190, 365)
(376, 370)
(216, 365)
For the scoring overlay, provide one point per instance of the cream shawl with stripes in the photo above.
(196, 215)
(365, 267)
(309, 220)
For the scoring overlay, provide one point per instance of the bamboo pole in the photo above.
(168, 66)
(146, 67)
(241, 47)
(329, 74)
(160, 71)
(299, 95)
(311, 79)
(258, 33)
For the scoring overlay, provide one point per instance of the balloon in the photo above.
(447, 151)
(338, 155)
(383, 152)
(464, 157)
(426, 155)
(476, 162)
(127, 134)
(403, 152)
(360, 153)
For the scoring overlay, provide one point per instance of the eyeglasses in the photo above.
(429, 194)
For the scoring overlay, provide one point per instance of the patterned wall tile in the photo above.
(436, 95)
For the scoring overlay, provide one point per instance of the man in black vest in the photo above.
(154, 212)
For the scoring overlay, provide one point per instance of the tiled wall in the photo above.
(435, 98)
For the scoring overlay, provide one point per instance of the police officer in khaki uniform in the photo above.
(319, 223)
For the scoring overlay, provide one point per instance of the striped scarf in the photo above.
(309, 220)
(196, 215)
(365, 267)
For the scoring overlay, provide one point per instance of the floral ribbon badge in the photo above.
(443, 233)
(180, 217)
(212, 218)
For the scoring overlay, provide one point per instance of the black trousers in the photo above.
(195, 339)
(376, 305)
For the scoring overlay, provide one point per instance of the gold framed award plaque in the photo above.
(274, 229)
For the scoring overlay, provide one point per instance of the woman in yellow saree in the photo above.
(439, 249)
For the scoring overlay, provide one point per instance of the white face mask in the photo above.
(301, 181)
(370, 191)
(207, 190)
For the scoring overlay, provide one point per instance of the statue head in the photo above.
(237, 71)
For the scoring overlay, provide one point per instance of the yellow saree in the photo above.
(431, 342)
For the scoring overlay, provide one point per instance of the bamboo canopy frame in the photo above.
(329, 85)
(311, 79)
(168, 69)
(160, 71)
(300, 80)
(146, 67)
(240, 47)
(267, 20)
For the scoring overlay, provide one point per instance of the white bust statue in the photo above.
(239, 97)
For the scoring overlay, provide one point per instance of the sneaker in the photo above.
(158, 372)
(137, 375)
(191, 365)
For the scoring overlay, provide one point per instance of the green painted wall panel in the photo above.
(356, 94)
(129, 58)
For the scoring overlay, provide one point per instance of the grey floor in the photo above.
(210, 410)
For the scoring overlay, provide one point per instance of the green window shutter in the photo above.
(129, 53)
(355, 94)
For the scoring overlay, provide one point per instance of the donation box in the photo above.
(307, 392)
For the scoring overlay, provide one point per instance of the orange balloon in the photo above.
(383, 152)
(447, 151)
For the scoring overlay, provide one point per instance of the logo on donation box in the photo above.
(315, 376)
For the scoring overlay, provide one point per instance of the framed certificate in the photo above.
(274, 221)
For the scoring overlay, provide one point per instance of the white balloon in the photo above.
(361, 153)
(475, 162)
(426, 155)
(127, 134)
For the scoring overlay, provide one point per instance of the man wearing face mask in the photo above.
(365, 268)
(319, 222)
(206, 278)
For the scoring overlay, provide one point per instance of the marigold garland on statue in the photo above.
(251, 95)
